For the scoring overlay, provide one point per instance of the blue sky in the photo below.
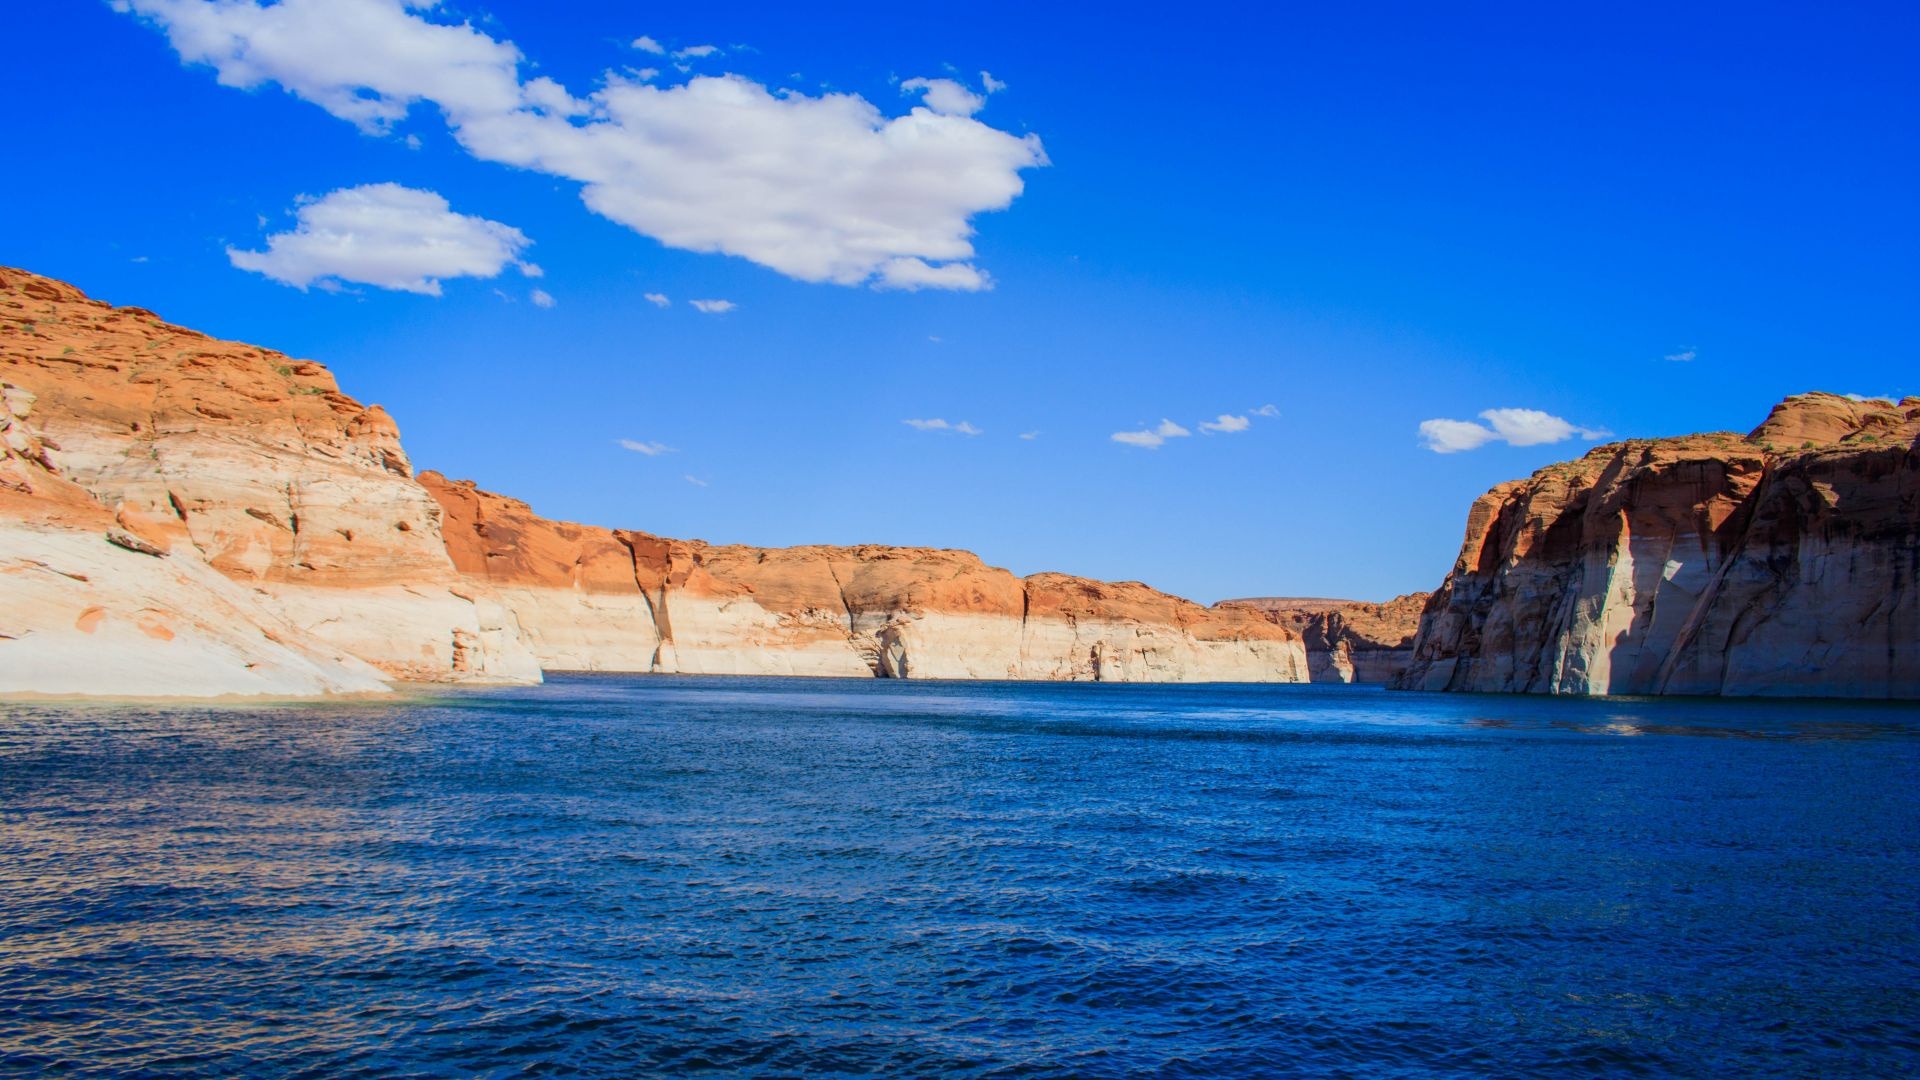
(1636, 220)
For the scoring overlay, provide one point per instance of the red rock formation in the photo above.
(617, 600)
(1784, 562)
(1347, 640)
(259, 464)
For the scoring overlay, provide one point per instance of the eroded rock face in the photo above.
(259, 465)
(600, 599)
(1348, 641)
(98, 602)
(1783, 562)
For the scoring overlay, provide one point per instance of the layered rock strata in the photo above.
(1782, 562)
(183, 515)
(1347, 641)
(611, 600)
(262, 470)
(99, 602)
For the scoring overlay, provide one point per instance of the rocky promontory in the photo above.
(1781, 562)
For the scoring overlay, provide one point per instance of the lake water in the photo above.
(610, 876)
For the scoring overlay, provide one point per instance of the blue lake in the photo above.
(610, 876)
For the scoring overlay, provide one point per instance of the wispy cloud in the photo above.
(1683, 355)
(713, 307)
(1266, 410)
(696, 52)
(1225, 424)
(541, 298)
(944, 96)
(1029, 435)
(912, 275)
(694, 480)
(960, 428)
(647, 45)
(651, 449)
(1152, 438)
(1515, 427)
(658, 299)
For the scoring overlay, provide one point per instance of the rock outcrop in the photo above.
(1782, 562)
(612, 600)
(252, 464)
(105, 603)
(1349, 641)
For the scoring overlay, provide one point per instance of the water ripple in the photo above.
(617, 876)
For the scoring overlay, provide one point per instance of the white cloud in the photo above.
(823, 189)
(961, 428)
(913, 275)
(1152, 438)
(651, 449)
(647, 45)
(384, 235)
(1266, 410)
(541, 298)
(991, 84)
(1453, 436)
(944, 96)
(1515, 427)
(1029, 435)
(658, 299)
(694, 480)
(696, 52)
(1683, 355)
(713, 307)
(1531, 427)
(1225, 424)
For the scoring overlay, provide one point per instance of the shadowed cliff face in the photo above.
(1347, 641)
(613, 600)
(1783, 563)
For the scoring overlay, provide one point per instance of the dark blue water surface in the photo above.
(619, 875)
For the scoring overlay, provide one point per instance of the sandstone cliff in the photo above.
(98, 602)
(1783, 562)
(181, 515)
(256, 466)
(600, 599)
(1347, 641)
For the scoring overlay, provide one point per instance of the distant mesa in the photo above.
(1348, 641)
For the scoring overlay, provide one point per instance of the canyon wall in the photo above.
(256, 466)
(98, 602)
(612, 600)
(1347, 641)
(1782, 562)
(181, 515)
